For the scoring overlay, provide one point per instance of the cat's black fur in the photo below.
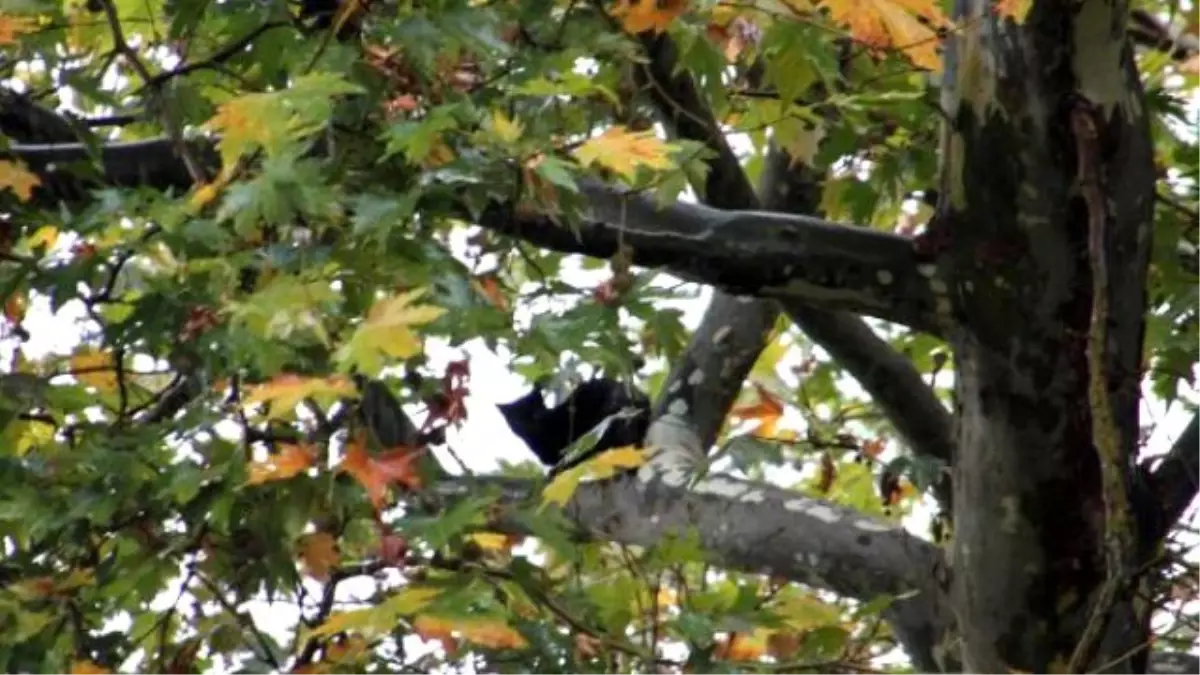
(550, 431)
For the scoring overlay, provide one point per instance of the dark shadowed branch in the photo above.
(1175, 481)
(743, 252)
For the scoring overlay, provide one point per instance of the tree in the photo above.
(252, 204)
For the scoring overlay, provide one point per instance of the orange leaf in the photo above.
(319, 555)
(292, 460)
(492, 633)
(434, 629)
(768, 411)
(873, 448)
(643, 15)
(85, 667)
(14, 307)
(376, 473)
(490, 289)
(884, 24)
(741, 647)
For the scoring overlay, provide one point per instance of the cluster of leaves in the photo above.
(198, 452)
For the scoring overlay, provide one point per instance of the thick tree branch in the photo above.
(1176, 479)
(736, 328)
(889, 377)
(753, 527)
(744, 252)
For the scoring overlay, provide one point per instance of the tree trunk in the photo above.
(1011, 256)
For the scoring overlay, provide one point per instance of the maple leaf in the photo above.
(377, 473)
(637, 16)
(768, 411)
(291, 461)
(94, 368)
(883, 24)
(319, 555)
(505, 129)
(13, 26)
(624, 151)
(285, 392)
(13, 175)
(272, 119)
(387, 331)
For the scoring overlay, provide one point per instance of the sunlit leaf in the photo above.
(13, 175)
(387, 331)
(624, 151)
(95, 368)
(291, 460)
(894, 24)
(285, 392)
(11, 27)
(648, 15)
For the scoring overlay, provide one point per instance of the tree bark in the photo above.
(1029, 521)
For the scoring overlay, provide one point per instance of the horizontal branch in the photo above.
(758, 253)
(742, 252)
(756, 528)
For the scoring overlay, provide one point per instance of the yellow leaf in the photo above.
(560, 490)
(285, 392)
(45, 236)
(207, 192)
(492, 633)
(379, 619)
(505, 129)
(94, 369)
(884, 24)
(387, 331)
(13, 175)
(319, 555)
(87, 668)
(623, 151)
(643, 15)
(602, 466)
(491, 541)
(10, 28)
(291, 461)
(607, 464)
